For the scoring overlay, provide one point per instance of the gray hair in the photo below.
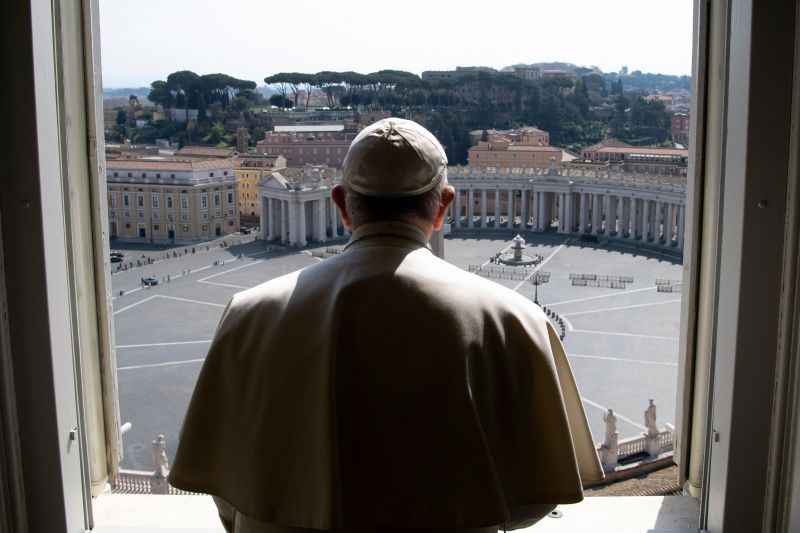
(363, 209)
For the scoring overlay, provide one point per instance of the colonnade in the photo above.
(629, 214)
(297, 219)
(644, 209)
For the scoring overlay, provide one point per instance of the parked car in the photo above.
(150, 281)
(116, 257)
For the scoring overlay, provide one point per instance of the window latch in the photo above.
(73, 437)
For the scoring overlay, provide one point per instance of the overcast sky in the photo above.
(145, 40)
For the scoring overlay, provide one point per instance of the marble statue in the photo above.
(650, 419)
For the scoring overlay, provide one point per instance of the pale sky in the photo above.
(145, 40)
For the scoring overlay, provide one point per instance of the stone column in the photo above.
(596, 224)
(657, 222)
(301, 237)
(457, 209)
(620, 216)
(583, 212)
(266, 219)
(470, 207)
(627, 208)
(281, 212)
(609, 217)
(542, 211)
(569, 216)
(646, 221)
(292, 222)
(322, 234)
(525, 202)
(511, 208)
(334, 216)
(681, 225)
(496, 208)
(483, 208)
(670, 225)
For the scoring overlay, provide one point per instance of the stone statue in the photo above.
(611, 428)
(158, 481)
(609, 450)
(650, 419)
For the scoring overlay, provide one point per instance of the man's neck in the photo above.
(424, 226)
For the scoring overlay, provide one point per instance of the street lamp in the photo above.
(539, 278)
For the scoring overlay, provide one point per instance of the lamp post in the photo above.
(539, 278)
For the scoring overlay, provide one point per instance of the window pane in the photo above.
(587, 164)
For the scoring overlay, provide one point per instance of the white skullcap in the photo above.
(394, 157)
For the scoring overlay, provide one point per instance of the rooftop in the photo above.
(309, 128)
(205, 151)
(641, 150)
(178, 165)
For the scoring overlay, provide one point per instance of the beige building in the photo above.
(250, 169)
(503, 154)
(177, 201)
(527, 147)
(642, 159)
(519, 148)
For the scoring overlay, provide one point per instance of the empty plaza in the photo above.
(622, 342)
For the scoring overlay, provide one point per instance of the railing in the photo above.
(140, 482)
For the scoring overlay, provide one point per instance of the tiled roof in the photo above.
(637, 150)
(529, 148)
(205, 151)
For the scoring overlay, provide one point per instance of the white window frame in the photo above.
(184, 201)
(155, 199)
(169, 200)
(204, 201)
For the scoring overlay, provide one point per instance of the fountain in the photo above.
(516, 256)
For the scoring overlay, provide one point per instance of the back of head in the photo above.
(395, 169)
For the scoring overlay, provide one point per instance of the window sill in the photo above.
(122, 513)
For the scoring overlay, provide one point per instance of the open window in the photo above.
(678, 265)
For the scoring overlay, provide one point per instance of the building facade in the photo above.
(250, 170)
(680, 128)
(519, 148)
(296, 211)
(171, 201)
(640, 159)
(640, 209)
(324, 144)
(619, 207)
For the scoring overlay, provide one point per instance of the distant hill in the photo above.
(557, 65)
(646, 82)
(126, 92)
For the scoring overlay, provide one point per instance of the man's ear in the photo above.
(448, 194)
(339, 196)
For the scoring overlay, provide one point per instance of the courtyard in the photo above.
(622, 342)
